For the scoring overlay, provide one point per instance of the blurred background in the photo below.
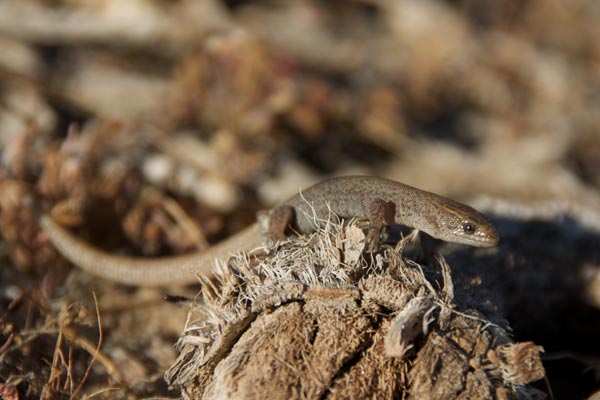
(160, 126)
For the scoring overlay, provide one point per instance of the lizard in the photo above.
(384, 202)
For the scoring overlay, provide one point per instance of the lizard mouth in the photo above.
(490, 239)
(481, 239)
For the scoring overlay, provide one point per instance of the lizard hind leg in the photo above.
(274, 223)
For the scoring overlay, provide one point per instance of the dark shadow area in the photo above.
(536, 279)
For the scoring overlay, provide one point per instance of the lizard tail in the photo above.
(176, 270)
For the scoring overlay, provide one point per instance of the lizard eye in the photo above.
(468, 227)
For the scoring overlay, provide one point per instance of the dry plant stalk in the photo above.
(310, 319)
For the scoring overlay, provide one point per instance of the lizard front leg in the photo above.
(381, 213)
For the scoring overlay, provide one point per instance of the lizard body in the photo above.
(382, 201)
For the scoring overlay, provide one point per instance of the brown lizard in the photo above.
(383, 201)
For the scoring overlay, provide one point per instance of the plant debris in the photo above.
(302, 323)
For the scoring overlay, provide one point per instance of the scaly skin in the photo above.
(381, 200)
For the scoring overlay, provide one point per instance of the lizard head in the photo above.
(459, 223)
